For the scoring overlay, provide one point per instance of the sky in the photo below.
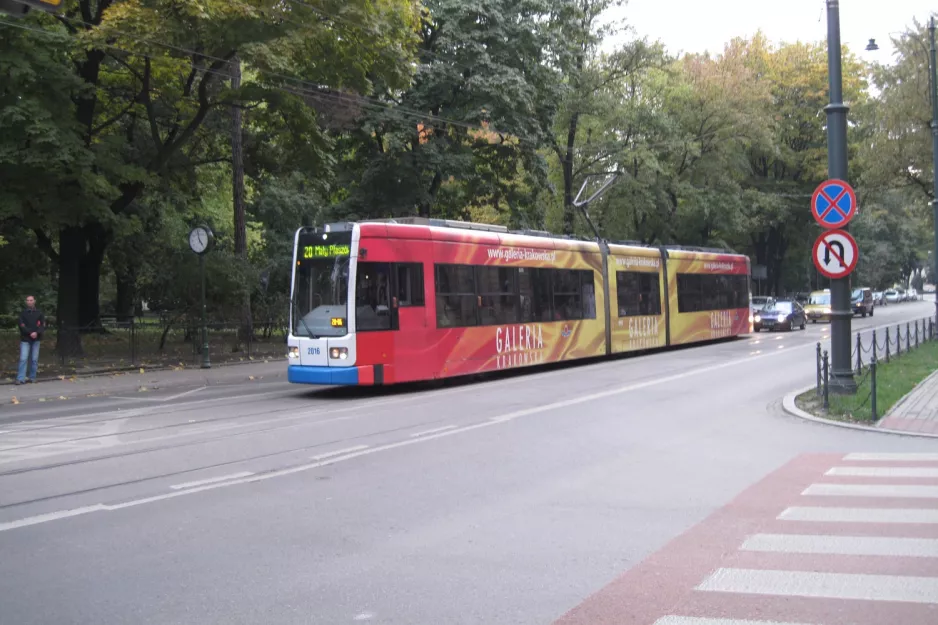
(706, 25)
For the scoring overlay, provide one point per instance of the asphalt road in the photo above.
(508, 500)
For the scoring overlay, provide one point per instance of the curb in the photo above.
(788, 405)
(910, 393)
(129, 369)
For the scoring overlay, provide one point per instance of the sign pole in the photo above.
(842, 380)
(933, 83)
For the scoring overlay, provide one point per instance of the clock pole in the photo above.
(206, 362)
(201, 239)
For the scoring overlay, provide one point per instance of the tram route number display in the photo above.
(325, 251)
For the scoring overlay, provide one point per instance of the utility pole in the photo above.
(842, 380)
(933, 83)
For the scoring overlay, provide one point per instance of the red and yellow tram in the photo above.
(385, 302)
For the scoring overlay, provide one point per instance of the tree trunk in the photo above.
(68, 338)
(246, 331)
(126, 297)
(569, 215)
(89, 267)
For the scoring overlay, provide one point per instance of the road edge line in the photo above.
(789, 406)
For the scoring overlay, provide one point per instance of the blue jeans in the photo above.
(29, 352)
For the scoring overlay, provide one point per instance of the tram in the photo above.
(390, 301)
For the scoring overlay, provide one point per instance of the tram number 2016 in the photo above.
(312, 351)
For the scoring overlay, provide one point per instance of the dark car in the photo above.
(862, 301)
(781, 315)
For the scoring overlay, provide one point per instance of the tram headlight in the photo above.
(293, 352)
(338, 353)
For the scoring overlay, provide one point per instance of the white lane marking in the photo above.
(873, 490)
(52, 516)
(340, 452)
(860, 515)
(162, 399)
(885, 471)
(697, 620)
(211, 480)
(826, 585)
(843, 545)
(889, 457)
(433, 431)
(411, 441)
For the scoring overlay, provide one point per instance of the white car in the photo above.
(893, 296)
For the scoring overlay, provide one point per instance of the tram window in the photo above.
(637, 293)
(456, 300)
(409, 284)
(497, 286)
(534, 288)
(567, 300)
(688, 293)
(373, 297)
(703, 292)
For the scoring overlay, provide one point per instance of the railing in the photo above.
(115, 345)
(895, 341)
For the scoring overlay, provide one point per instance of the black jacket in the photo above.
(31, 320)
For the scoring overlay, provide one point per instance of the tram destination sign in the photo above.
(324, 250)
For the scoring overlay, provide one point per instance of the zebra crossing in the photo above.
(826, 540)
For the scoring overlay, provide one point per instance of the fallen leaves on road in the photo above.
(142, 389)
(15, 400)
(42, 399)
(250, 377)
(62, 397)
(141, 371)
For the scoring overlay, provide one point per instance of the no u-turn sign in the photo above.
(835, 254)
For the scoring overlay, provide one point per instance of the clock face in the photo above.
(198, 240)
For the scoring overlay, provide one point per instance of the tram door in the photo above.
(391, 318)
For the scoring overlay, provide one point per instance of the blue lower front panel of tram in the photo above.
(298, 374)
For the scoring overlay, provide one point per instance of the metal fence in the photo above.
(881, 346)
(115, 345)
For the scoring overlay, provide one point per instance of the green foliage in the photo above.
(115, 139)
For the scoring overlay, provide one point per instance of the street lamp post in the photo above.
(842, 380)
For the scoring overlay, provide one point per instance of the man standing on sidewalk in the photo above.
(32, 324)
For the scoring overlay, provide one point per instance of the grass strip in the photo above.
(893, 381)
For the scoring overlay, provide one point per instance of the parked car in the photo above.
(819, 306)
(861, 300)
(759, 302)
(893, 296)
(913, 295)
(879, 298)
(784, 314)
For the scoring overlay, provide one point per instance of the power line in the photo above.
(317, 91)
(354, 98)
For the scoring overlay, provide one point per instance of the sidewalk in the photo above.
(917, 411)
(132, 381)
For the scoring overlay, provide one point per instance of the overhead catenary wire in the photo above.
(315, 89)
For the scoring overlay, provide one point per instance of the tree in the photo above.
(468, 130)
(147, 95)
